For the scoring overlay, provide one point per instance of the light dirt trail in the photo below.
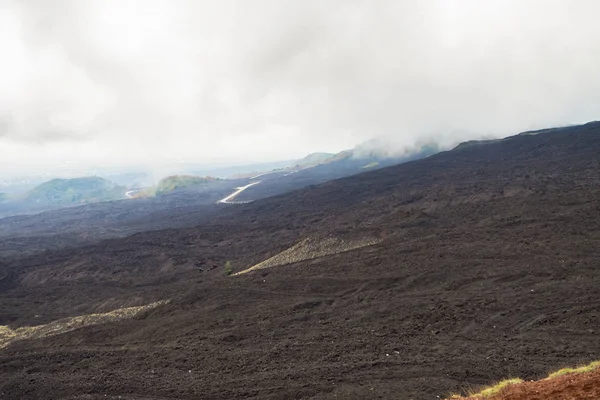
(227, 200)
(263, 174)
(130, 193)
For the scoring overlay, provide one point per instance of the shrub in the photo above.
(228, 268)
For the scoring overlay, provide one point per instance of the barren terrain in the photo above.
(485, 267)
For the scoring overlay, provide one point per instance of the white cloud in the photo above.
(149, 81)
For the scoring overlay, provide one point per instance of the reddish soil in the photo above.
(488, 268)
(568, 387)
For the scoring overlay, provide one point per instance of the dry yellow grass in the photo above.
(579, 370)
(8, 335)
(311, 248)
(495, 390)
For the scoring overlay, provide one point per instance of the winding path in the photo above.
(228, 199)
(130, 193)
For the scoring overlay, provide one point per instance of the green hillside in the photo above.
(314, 159)
(175, 182)
(76, 190)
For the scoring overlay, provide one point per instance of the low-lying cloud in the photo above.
(153, 81)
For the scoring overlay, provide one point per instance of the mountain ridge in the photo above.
(484, 266)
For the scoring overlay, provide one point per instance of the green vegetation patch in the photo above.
(228, 268)
(314, 159)
(76, 190)
(175, 182)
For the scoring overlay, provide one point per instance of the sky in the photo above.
(128, 82)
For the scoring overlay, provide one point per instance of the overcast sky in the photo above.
(111, 82)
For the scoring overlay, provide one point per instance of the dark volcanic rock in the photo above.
(487, 268)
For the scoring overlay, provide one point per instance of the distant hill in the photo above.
(345, 163)
(478, 262)
(381, 148)
(374, 153)
(314, 159)
(231, 172)
(175, 182)
(371, 155)
(75, 191)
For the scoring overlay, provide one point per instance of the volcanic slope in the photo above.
(486, 266)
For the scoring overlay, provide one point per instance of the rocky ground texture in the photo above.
(485, 267)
